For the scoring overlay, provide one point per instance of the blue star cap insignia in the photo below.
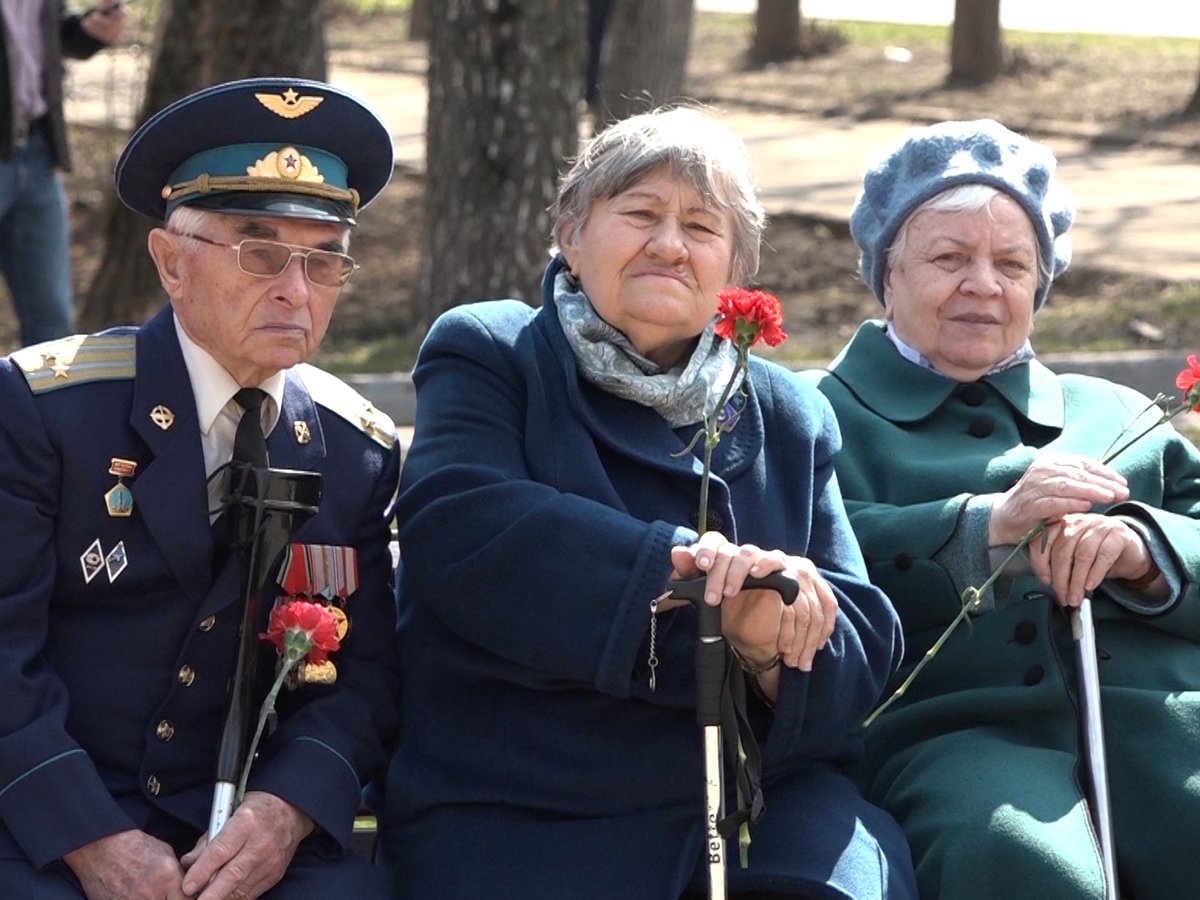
(260, 146)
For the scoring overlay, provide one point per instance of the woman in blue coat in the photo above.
(549, 741)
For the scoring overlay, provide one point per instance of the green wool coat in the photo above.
(980, 760)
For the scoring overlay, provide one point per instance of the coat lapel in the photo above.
(296, 441)
(170, 493)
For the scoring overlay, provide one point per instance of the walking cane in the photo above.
(265, 505)
(710, 681)
(1083, 630)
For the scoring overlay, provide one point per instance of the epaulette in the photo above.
(76, 360)
(335, 395)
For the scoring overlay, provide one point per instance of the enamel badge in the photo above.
(119, 499)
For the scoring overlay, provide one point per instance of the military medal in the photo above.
(327, 571)
(119, 499)
(328, 574)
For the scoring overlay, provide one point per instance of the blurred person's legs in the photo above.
(35, 255)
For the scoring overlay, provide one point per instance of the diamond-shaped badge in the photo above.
(116, 561)
(92, 560)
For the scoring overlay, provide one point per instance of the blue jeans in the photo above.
(35, 252)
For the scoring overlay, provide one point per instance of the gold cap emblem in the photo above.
(289, 104)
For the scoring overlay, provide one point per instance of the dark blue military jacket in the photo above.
(119, 639)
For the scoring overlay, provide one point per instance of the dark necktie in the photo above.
(249, 442)
(249, 447)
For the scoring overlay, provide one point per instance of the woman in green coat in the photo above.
(957, 442)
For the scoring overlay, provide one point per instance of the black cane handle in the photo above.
(710, 650)
(709, 617)
(692, 589)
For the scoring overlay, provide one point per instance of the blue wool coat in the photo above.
(115, 687)
(536, 518)
(980, 759)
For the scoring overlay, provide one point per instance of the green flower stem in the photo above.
(268, 704)
(1169, 412)
(972, 596)
(971, 599)
(712, 436)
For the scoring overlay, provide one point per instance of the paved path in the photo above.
(1164, 18)
(1139, 207)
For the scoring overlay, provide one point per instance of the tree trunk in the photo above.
(199, 43)
(504, 84)
(418, 20)
(776, 31)
(645, 53)
(1192, 109)
(976, 50)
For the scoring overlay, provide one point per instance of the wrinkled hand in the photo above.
(130, 865)
(757, 622)
(1054, 485)
(105, 23)
(250, 853)
(1083, 549)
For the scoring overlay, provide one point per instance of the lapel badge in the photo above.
(162, 417)
(119, 499)
(92, 561)
(300, 428)
(116, 561)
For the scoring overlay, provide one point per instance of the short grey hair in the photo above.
(694, 147)
(972, 197)
(185, 220)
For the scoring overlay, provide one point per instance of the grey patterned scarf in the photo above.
(683, 395)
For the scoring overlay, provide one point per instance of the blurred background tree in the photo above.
(976, 48)
(505, 80)
(198, 43)
(643, 56)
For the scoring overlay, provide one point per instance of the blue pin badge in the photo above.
(119, 499)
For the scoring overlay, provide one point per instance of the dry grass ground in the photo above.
(1110, 89)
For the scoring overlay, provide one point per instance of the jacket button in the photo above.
(1025, 632)
(1033, 675)
(165, 730)
(903, 561)
(208, 623)
(981, 427)
(153, 786)
(972, 394)
(187, 675)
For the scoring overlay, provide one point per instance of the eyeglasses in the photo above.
(267, 259)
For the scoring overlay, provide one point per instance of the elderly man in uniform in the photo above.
(118, 615)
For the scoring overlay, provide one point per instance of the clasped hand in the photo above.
(250, 855)
(1079, 548)
(756, 622)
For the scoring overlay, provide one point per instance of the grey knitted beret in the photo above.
(933, 159)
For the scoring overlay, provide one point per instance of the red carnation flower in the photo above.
(1187, 381)
(747, 317)
(300, 628)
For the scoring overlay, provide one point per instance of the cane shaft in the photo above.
(1084, 631)
(714, 811)
(267, 504)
